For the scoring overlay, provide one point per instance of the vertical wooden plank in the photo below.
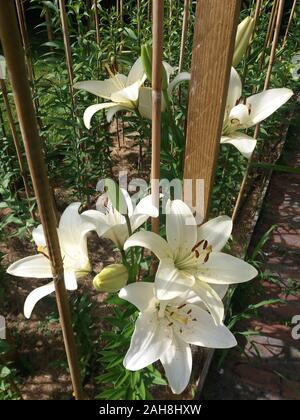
(214, 38)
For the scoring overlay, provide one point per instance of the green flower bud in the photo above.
(111, 279)
(146, 56)
(243, 35)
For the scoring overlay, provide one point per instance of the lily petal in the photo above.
(145, 102)
(180, 227)
(36, 266)
(142, 212)
(234, 90)
(141, 295)
(180, 78)
(201, 330)
(98, 219)
(70, 280)
(245, 144)
(151, 241)
(148, 343)
(225, 269)
(136, 73)
(216, 231)
(38, 236)
(127, 95)
(171, 282)
(110, 113)
(91, 110)
(103, 88)
(211, 300)
(36, 295)
(177, 362)
(263, 104)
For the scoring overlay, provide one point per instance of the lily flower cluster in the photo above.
(183, 305)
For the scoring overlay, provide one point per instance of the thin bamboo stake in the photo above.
(96, 22)
(266, 85)
(273, 24)
(185, 23)
(16, 142)
(157, 57)
(50, 35)
(139, 20)
(69, 61)
(214, 39)
(289, 23)
(24, 36)
(13, 52)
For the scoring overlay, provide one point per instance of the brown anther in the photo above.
(197, 245)
(205, 244)
(206, 257)
(170, 325)
(249, 109)
(197, 253)
(189, 311)
(181, 306)
(194, 319)
(180, 330)
(171, 313)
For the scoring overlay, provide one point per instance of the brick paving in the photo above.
(271, 369)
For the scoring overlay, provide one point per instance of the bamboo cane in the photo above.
(24, 36)
(11, 42)
(185, 23)
(273, 24)
(96, 22)
(139, 20)
(157, 56)
(289, 23)
(50, 35)
(16, 142)
(266, 85)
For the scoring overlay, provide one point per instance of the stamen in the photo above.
(206, 257)
(194, 319)
(181, 306)
(170, 325)
(197, 245)
(205, 244)
(197, 253)
(189, 311)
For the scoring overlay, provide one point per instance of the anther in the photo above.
(181, 306)
(205, 244)
(189, 311)
(197, 245)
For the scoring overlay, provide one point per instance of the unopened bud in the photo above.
(111, 279)
(146, 56)
(242, 40)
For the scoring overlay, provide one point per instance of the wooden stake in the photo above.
(13, 52)
(213, 47)
(49, 26)
(266, 86)
(273, 23)
(157, 57)
(16, 142)
(289, 23)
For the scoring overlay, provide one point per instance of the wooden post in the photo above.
(214, 38)
(157, 57)
(16, 142)
(289, 22)
(266, 86)
(13, 52)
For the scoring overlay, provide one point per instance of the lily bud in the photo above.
(243, 35)
(2, 67)
(146, 56)
(111, 279)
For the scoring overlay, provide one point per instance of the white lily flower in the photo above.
(72, 232)
(240, 116)
(122, 91)
(111, 224)
(2, 67)
(190, 258)
(164, 331)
